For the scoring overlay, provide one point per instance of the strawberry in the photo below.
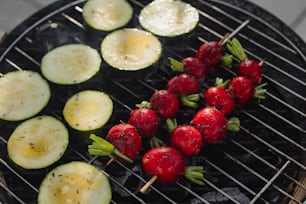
(145, 120)
(213, 125)
(243, 89)
(126, 139)
(210, 53)
(186, 87)
(122, 140)
(165, 103)
(249, 68)
(220, 97)
(190, 65)
(183, 84)
(167, 165)
(187, 139)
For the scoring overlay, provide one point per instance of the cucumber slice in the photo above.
(75, 182)
(88, 110)
(23, 94)
(38, 142)
(169, 18)
(70, 64)
(107, 15)
(131, 49)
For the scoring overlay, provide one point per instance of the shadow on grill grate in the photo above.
(260, 164)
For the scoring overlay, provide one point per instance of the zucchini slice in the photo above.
(23, 94)
(75, 182)
(88, 110)
(70, 64)
(169, 18)
(38, 142)
(131, 49)
(107, 15)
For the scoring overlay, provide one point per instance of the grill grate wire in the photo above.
(213, 30)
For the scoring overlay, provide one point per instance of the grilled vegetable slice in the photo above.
(88, 110)
(169, 18)
(131, 49)
(23, 94)
(38, 142)
(70, 64)
(75, 182)
(107, 15)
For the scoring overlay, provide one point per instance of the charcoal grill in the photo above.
(263, 163)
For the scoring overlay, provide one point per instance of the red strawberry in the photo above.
(251, 69)
(210, 53)
(188, 139)
(190, 65)
(186, 87)
(167, 165)
(221, 98)
(145, 120)
(165, 103)
(183, 84)
(211, 123)
(126, 139)
(243, 89)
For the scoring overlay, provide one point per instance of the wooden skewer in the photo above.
(110, 161)
(148, 184)
(261, 62)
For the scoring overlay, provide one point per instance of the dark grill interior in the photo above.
(263, 163)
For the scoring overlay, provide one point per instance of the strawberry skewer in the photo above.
(122, 140)
(167, 165)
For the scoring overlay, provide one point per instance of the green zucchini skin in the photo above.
(38, 142)
(107, 15)
(130, 51)
(25, 100)
(88, 110)
(71, 64)
(169, 18)
(75, 182)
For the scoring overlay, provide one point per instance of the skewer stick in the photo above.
(232, 34)
(148, 184)
(261, 62)
(110, 161)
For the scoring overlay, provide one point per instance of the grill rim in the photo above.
(11, 37)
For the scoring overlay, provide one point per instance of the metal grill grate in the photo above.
(263, 163)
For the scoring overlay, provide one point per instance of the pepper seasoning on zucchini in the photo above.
(88, 110)
(38, 142)
(70, 64)
(23, 94)
(75, 182)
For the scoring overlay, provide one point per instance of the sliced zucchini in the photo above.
(88, 110)
(76, 183)
(38, 142)
(107, 15)
(169, 18)
(23, 94)
(131, 49)
(70, 64)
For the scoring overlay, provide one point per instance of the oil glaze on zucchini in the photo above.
(131, 49)
(38, 142)
(23, 94)
(169, 18)
(75, 183)
(88, 110)
(70, 64)
(107, 15)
